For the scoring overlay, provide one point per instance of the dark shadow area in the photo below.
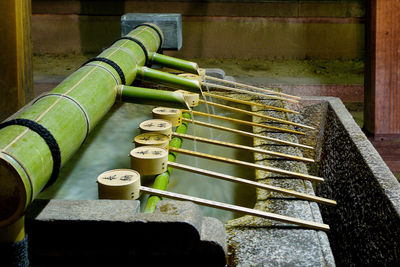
(56, 236)
(365, 225)
(99, 24)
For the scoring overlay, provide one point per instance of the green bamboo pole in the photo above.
(174, 63)
(14, 232)
(69, 112)
(161, 181)
(139, 95)
(167, 79)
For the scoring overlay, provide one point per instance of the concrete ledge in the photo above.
(110, 232)
(170, 25)
(274, 243)
(365, 226)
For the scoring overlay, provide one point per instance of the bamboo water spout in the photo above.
(148, 96)
(167, 79)
(174, 63)
(44, 136)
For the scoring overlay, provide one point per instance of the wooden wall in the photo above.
(382, 79)
(213, 28)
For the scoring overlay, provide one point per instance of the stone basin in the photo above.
(365, 225)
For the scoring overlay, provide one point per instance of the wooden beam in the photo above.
(382, 79)
(16, 75)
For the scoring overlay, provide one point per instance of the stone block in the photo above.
(280, 247)
(170, 24)
(215, 72)
(365, 225)
(275, 243)
(114, 233)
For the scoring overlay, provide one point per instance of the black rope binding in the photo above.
(47, 137)
(157, 31)
(112, 64)
(146, 55)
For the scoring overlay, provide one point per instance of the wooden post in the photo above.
(382, 79)
(16, 76)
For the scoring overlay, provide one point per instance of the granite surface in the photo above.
(15, 254)
(258, 242)
(169, 23)
(365, 225)
(113, 233)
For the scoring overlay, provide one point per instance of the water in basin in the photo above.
(108, 147)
